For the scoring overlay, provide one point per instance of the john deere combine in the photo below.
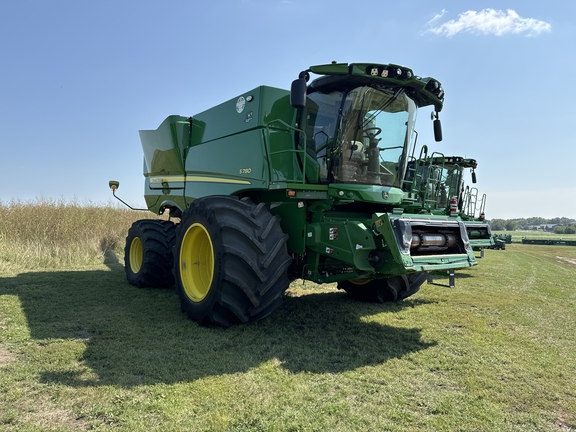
(275, 185)
(435, 183)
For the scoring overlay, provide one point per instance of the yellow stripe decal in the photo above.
(167, 179)
(170, 179)
(216, 180)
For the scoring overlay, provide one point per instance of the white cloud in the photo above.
(488, 21)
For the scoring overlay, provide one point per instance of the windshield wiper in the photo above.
(378, 110)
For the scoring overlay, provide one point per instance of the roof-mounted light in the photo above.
(435, 88)
(389, 72)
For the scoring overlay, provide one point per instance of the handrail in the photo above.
(414, 193)
(301, 150)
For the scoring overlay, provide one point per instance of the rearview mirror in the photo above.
(437, 130)
(298, 93)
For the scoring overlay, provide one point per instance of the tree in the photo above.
(498, 224)
(511, 225)
(535, 221)
(561, 221)
(570, 229)
(559, 229)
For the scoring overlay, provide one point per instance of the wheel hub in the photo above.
(196, 262)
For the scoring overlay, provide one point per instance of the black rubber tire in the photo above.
(240, 257)
(373, 291)
(392, 289)
(148, 259)
(415, 281)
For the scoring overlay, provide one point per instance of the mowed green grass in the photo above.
(81, 349)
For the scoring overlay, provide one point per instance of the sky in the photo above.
(78, 80)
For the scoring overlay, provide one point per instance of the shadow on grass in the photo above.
(443, 279)
(139, 336)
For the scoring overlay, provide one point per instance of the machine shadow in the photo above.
(139, 336)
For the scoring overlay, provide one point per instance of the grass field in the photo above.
(80, 349)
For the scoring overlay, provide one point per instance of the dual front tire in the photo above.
(230, 261)
(391, 289)
(148, 253)
(227, 259)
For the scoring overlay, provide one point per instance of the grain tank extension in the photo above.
(275, 185)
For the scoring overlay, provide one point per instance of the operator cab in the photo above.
(359, 119)
(360, 134)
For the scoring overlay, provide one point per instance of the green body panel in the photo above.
(479, 233)
(367, 193)
(164, 163)
(348, 241)
(330, 69)
(253, 146)
(163, 147)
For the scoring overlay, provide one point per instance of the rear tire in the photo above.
(148, 257)
(392, 289)
(230, 261)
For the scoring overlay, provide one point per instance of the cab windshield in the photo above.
(447, 182)
(362, 135)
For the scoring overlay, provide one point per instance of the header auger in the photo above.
(276, 185)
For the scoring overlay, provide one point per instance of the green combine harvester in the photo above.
(436, 184)
(275, 185)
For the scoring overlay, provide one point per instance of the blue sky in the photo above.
(79, 79)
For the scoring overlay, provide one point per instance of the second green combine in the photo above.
(435, 184)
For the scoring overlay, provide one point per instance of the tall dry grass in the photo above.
(48, 233)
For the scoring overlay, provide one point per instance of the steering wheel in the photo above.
(377, 130)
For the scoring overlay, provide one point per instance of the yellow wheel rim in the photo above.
(196, 262)
(136, 255)
(360, 281)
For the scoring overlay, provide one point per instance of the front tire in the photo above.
(392, 289)
(230, 261)
(148, 257)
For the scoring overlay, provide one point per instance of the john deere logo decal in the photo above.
(240, 104)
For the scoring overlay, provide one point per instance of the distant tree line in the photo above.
(561, 225)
